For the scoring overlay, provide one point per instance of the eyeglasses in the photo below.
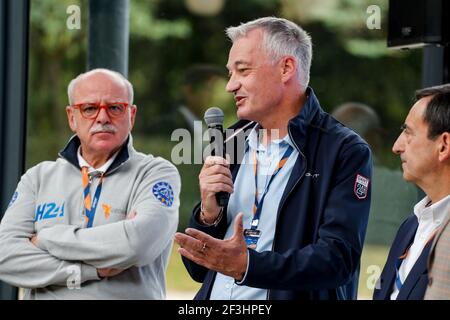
(91, 110)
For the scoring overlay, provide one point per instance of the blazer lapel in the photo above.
(419, 268)
(405, 237)
(437, 236)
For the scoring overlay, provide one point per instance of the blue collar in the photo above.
(309, 116)
(70, 153)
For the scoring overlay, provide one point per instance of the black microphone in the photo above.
(214, 120)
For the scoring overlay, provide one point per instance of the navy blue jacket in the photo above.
(416, 283)
(321, 223)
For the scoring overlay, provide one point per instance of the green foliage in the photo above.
(48, 22)
(143, 25)
(347, 19)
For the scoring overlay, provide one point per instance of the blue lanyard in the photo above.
(258, 205)
(90, 207)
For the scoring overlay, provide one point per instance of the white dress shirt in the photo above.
(83, 163)
(242, 200)
(430, 218)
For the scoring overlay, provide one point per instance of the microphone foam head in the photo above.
(213, 116)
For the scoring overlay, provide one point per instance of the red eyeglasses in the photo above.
(91, 110)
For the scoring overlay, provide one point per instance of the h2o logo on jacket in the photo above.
(49, 210)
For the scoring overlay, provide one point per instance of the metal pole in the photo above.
(14, 24)
(435, 66)
(109, 35)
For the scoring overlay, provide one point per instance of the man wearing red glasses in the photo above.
(98, 222)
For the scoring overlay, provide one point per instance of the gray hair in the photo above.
(281, 38)
(114, 74)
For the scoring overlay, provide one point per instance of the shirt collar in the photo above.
(252, 140)
(437, 211)
(83, 163)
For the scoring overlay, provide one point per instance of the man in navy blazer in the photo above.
(424, 149)
(305, 242)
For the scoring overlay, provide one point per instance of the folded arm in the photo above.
(132, 242)
(22, 264)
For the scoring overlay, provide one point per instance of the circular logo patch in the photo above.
(164, 193)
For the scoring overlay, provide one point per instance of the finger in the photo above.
(217, 178)
(213, 160)
(210, 184)
(202, 237)
(238, 228)
(198, 259)
(216, 169)
(217, 187)
(188, 242)
(206, 177)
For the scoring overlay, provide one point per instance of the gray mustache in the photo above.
(103, 128)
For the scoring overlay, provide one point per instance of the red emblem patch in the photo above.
(361, 187)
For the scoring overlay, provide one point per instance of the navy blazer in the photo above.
(321, 222)
(416, 283)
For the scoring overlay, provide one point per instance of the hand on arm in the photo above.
(101, 272)
(125, 243)
(21, 263)
(111, 272)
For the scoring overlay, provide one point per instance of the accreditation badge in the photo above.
(251, 237)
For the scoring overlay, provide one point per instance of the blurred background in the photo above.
(177, 56)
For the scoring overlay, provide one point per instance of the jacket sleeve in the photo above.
(333, 258)
(198, 272)
(133, 242)
(21, 263)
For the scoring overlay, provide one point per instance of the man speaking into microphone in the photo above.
(296, 218)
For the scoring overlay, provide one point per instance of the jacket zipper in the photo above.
(289, 193)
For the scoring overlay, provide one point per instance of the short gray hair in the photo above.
(114, 74)
(281, 38)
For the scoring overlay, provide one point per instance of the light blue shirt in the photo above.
(242, 200)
